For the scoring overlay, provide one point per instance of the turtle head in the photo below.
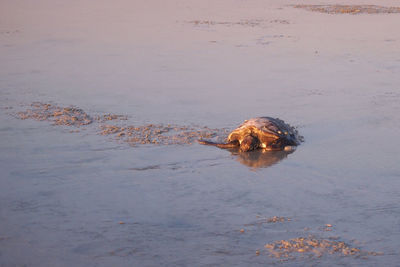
(249, 143)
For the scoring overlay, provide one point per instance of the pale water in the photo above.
(83, 199)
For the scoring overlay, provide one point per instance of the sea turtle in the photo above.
(262, 132)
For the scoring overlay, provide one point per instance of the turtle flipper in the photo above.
(231, 144)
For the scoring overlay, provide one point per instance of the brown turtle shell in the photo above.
(272, 133)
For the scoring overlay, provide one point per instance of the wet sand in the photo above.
(74, 192)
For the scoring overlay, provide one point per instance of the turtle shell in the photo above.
(271, 133)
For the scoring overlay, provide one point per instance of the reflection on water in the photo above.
(259, 158)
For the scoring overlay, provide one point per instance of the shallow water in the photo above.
(84, 199)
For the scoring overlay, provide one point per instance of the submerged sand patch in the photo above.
(69, 116)
(248, 23)
(274, 219)
(350, 9)
(162, 134)
(306, 244)
(313, 247)
(244, 22)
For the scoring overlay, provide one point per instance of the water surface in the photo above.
(84, 199)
